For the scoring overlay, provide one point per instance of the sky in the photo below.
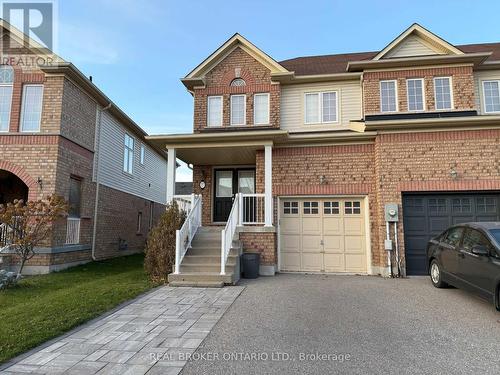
(137, 50)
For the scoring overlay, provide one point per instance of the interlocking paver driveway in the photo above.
(153, 334)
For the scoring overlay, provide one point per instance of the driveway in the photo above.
(365, 324)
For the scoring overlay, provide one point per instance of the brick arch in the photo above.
(23, 176)
(244, 74)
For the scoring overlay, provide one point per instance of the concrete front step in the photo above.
(198, 284)
(209, 251)
(194, 268)
(207, 259)
(200, 277)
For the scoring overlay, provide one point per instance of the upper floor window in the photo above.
(6, 81)
(214, 111)
(31, 113)
(238, 109)
(143, 154)
(321, 107)
(238, 82)
(128, 154)
(415, 91)
(442, 93)
(261, 109)
(491, 93)
(388, 96)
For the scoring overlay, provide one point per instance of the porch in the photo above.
(232, 194)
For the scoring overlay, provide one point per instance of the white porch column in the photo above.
(268, 185)
(171, 166)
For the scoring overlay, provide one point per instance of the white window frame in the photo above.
(268, 108)
(130, 151)
(408, 95)
(244, 109)
(21, 119)
(483, 99)
(395, 94)
(320, 107)
(142, 156)
(452, 104)
(11, 85)
(221, 110)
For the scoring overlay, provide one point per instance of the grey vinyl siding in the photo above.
(146, 181)
(479, 77)
(292, 104)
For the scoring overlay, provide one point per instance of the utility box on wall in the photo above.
(391, 212)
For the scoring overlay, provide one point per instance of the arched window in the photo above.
(6, 80)
(238, 82)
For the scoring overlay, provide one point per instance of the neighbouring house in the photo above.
(60, 134)
(183, 188)
(298, 159)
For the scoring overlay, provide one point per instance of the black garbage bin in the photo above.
(250, 263)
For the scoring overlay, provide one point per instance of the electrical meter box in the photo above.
(391, 212)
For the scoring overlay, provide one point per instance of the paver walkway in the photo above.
(154, 334)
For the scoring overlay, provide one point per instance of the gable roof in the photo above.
(427, 38)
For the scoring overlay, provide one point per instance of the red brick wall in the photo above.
(218, 80)
(262, 242)
(204, 172)
(462, 82)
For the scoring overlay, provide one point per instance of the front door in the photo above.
(229, 182)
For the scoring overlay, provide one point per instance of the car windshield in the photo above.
(496, 235)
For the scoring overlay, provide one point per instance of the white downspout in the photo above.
(96, 148)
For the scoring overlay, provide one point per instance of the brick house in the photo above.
(298, 159)
(60, 134)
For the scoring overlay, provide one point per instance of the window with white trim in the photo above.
(261, 109)
(311, 208)
(214, 111)
(415, 92)
(291, 208)
(6, 82)
(143, 155)
(128, 154)
(491, 94)
(238, 109)
(352, 208)
(442, 93)
(388, 96)
(331, 208)
(321, 107)
(31, 112)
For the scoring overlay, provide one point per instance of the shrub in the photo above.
(7, 279)
(160, 246)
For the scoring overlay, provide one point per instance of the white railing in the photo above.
(184, 202)
(253, 209)
(227, 234)
(73, 231)
(184, 236)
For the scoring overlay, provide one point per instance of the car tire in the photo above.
(436, 275)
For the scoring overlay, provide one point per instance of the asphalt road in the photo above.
(318, 324)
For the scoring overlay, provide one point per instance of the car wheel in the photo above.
(435, 274)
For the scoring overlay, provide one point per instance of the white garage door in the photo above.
(322, 235)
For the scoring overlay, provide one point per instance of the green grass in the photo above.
(42, 307)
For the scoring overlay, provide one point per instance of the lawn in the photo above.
(43, 307)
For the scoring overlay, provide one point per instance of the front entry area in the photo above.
(427, 215)
(11, 188)
(323, 235)
(228, 182)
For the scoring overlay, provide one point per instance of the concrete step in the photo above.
(200, 242)
(201, 277)
(203, 268)
(198, 284)
(207, 259)
(208, 251)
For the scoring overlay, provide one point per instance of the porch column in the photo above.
(268, 185)
(171, 166)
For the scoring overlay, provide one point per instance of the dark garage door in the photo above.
(427, 215)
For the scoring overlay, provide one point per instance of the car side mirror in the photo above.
(480, 250)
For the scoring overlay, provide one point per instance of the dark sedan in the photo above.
(467, 256)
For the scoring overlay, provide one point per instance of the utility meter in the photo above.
(391, 212)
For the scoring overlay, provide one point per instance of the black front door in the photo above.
(228, 182)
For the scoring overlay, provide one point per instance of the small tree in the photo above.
(160, 246)
(28, 225)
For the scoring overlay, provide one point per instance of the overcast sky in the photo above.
(137, 50)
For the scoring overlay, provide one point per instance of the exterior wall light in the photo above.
(453, 174)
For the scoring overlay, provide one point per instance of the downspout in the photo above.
(97, 149)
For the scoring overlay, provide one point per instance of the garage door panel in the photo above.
(355, 262)
(311, 244)
(353, 225)
(290, 261)
(333, 226)
(290, 225)
(311, 225)
(333, 244)
(438, 212)
(312, 262)
(290, 243)
(334, 263)
(354, 244)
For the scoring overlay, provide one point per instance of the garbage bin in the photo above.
(251, 262)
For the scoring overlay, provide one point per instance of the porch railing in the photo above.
(184, 236)
(229, 231)
(73, 231)
(184, 202)
(10, 233)
(253, 209)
